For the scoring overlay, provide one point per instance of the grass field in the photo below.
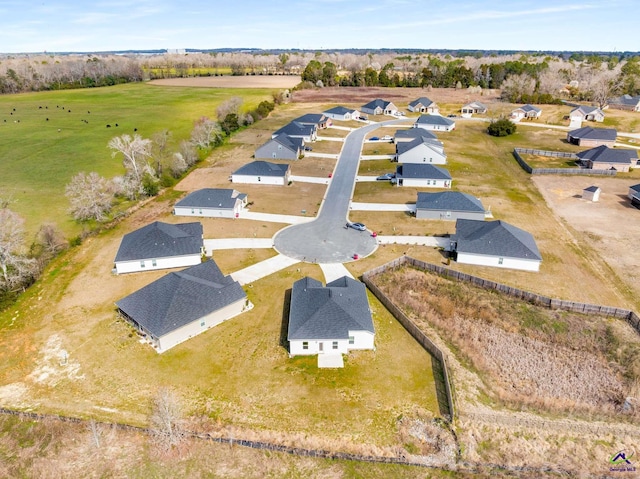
(40, 156)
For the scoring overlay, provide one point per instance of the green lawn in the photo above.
(39, 156)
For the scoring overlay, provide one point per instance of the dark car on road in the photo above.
(374, 138)
(357, 226)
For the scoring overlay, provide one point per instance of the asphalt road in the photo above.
(326, 239)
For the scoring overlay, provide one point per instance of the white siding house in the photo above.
(379, 107)
(494, 243)
(160, 246)
(211, 203)
(528, 112)
(423, 105)
(183, 304)
(422, 175)
(343, 114)
(450, 206)
(421, 150)
(435, 123)
(331, 319)
(262, 173)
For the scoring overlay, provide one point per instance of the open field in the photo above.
(276, 82)
(376, 167)
(327, 146)
(40, 156)
(379, 148)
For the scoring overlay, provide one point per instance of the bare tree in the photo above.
(206, 133)
(230, 106)
(178, 165)
(51, 239)
(160, 148)
(90, 195)
(167, 423)
(188, 152)
(604, 86)
(15, 268)
(136, 152)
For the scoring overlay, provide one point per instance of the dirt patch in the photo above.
(260, 81)
(54, 364)
(610, 226)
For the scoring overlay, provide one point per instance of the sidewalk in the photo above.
(333, 271)
(435, 241)
(311, 179)
(262, 269)
(273, 218)
(410, 207)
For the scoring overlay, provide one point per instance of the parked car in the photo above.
(452, 116)
(362, 118)
(308, 148)
(386, 177)
(387, 138)
(374, 138)
(357, 226)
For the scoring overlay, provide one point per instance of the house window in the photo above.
(192, 211)
(200, 211)
(500, 260)
(202, 323)
(259, 179)
(352, 340)
(305, 344)
(335, 345)
(154, 262)
(142, 264)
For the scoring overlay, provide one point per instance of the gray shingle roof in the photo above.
(180, 298)
(161, 240)
(635, 187)
(339, 110)
(592, 189)
(494, 238)
(220, 198)
(311, 119)
(586, 110)
(527, 108)
(293, 144)
(414, 133)
(626, 100)
(590, 133)
(262, 168)
(604, 154)
(435, 145)
(329, 312)
(423, 100)
(449, 201)
(295, 129)
(434, 120)
(475, 104)
(378, 102)
(420, 170)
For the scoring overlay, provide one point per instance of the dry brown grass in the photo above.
(247, 81)
(327, 146)
(528, 355)
(379, 148)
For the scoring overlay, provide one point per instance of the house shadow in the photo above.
(626, 202)
(284, 325)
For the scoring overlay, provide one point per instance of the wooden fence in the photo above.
(555, 171)
(411, 327)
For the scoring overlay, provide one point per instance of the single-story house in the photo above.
(319, 120)
(588, 136)
(262, 173)
(160, 245)
(308, 133)
(282, 147)
(435, 122)
(528, 112)
(331, 319)
(494, 243)
(449, 205)
(342, 113)
(591, 193)
(625, 102)
(421, 150)
(422, 175)
(586, 113)
(379, 107)
(473, 108)
(423, 105)
(211, 203)
(183, 304)
(411, 134)
(605, 158)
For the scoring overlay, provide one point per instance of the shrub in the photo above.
(502, 127)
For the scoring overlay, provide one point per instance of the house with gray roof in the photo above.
(473, 108)
(308, 133)
(183, 304)
(494, 243)
(342, 113)
(586, 113)
(262, 173)
(423, 105)
(525, 112)
(435, 123)
(589, 136)
(281, 147)
(411, 134)
(160, 245)
(449, 205)
(211, 203)
(625, 102)
(421, 150)
(319, 120)
(379, 107)
(605, 158)
(332, 319)
(422, 175)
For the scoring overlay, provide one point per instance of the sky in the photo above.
(99, 25)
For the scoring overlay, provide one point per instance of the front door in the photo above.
(320, 347)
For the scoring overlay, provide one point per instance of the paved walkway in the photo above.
(273, 218)
(311, 154)
(364, 179)
(410, 207)
(262, 269)
(377, 157)
(345, 128)
(436, 241)
(211, 245)
(310, 179)
(333, 271)
(329, 138)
